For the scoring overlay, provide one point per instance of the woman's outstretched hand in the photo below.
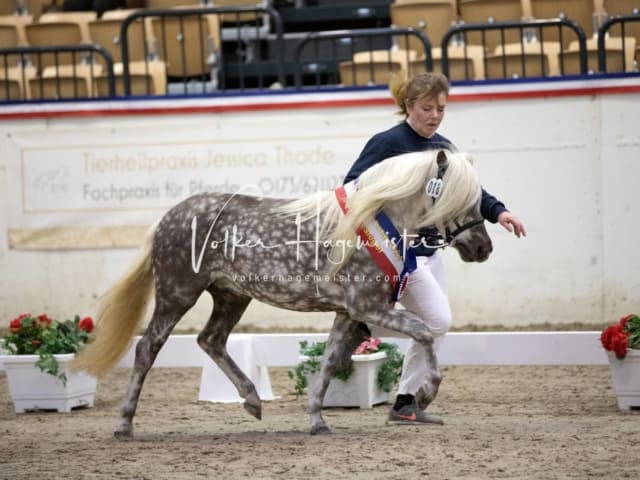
(511, 223)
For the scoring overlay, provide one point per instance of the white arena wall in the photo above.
(563, 155)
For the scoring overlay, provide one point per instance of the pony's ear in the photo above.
(443, 161)
(434, 185)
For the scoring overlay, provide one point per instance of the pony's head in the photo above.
(466, 232)
(469, 236)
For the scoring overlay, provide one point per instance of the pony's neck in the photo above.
(406, 212)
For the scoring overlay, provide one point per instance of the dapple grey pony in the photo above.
(300, 255)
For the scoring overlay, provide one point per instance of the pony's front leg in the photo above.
(339, 341)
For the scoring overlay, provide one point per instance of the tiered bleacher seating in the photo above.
(581, 11)
(81, 19)
(464, 62)
(106, 32)
(145, 78)
(64, 74)
(432, 17)
(488, 11)
(520, 60)
(374, 67)
(14, 82)
(183, 43)
(244, 49)
(147, 72)
(65, 81)
(620, 54)
(12, 30)
(54, 33)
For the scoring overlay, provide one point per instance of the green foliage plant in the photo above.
(312, 353)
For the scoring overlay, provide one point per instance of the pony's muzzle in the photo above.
(472, 251)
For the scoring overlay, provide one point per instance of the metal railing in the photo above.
(82, 55)
(210, 55)
(603, 34)
(389, 36)
(531, 33)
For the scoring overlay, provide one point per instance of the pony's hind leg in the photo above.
(165, 316)
(228, 307)
(344, 333)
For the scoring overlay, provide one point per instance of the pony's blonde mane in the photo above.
(396, 178)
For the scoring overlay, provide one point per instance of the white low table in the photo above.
(216, 387)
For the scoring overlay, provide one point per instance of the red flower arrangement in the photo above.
(368, 346)
(43, 336)
(621, 336)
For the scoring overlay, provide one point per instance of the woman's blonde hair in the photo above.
(406, 91)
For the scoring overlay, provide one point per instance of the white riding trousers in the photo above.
(426, 296)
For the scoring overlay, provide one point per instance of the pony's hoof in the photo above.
(422, 399)
(123, 434)
(320, 430)
(254, 409)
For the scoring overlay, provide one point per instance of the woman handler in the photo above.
(422, 101)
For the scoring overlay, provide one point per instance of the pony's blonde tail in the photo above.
(119, 315)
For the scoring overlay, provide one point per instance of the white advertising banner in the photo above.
(92, 181)
(114, 179)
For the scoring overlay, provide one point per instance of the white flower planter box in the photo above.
(625, 376)
(361, 389)
(32, 389)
